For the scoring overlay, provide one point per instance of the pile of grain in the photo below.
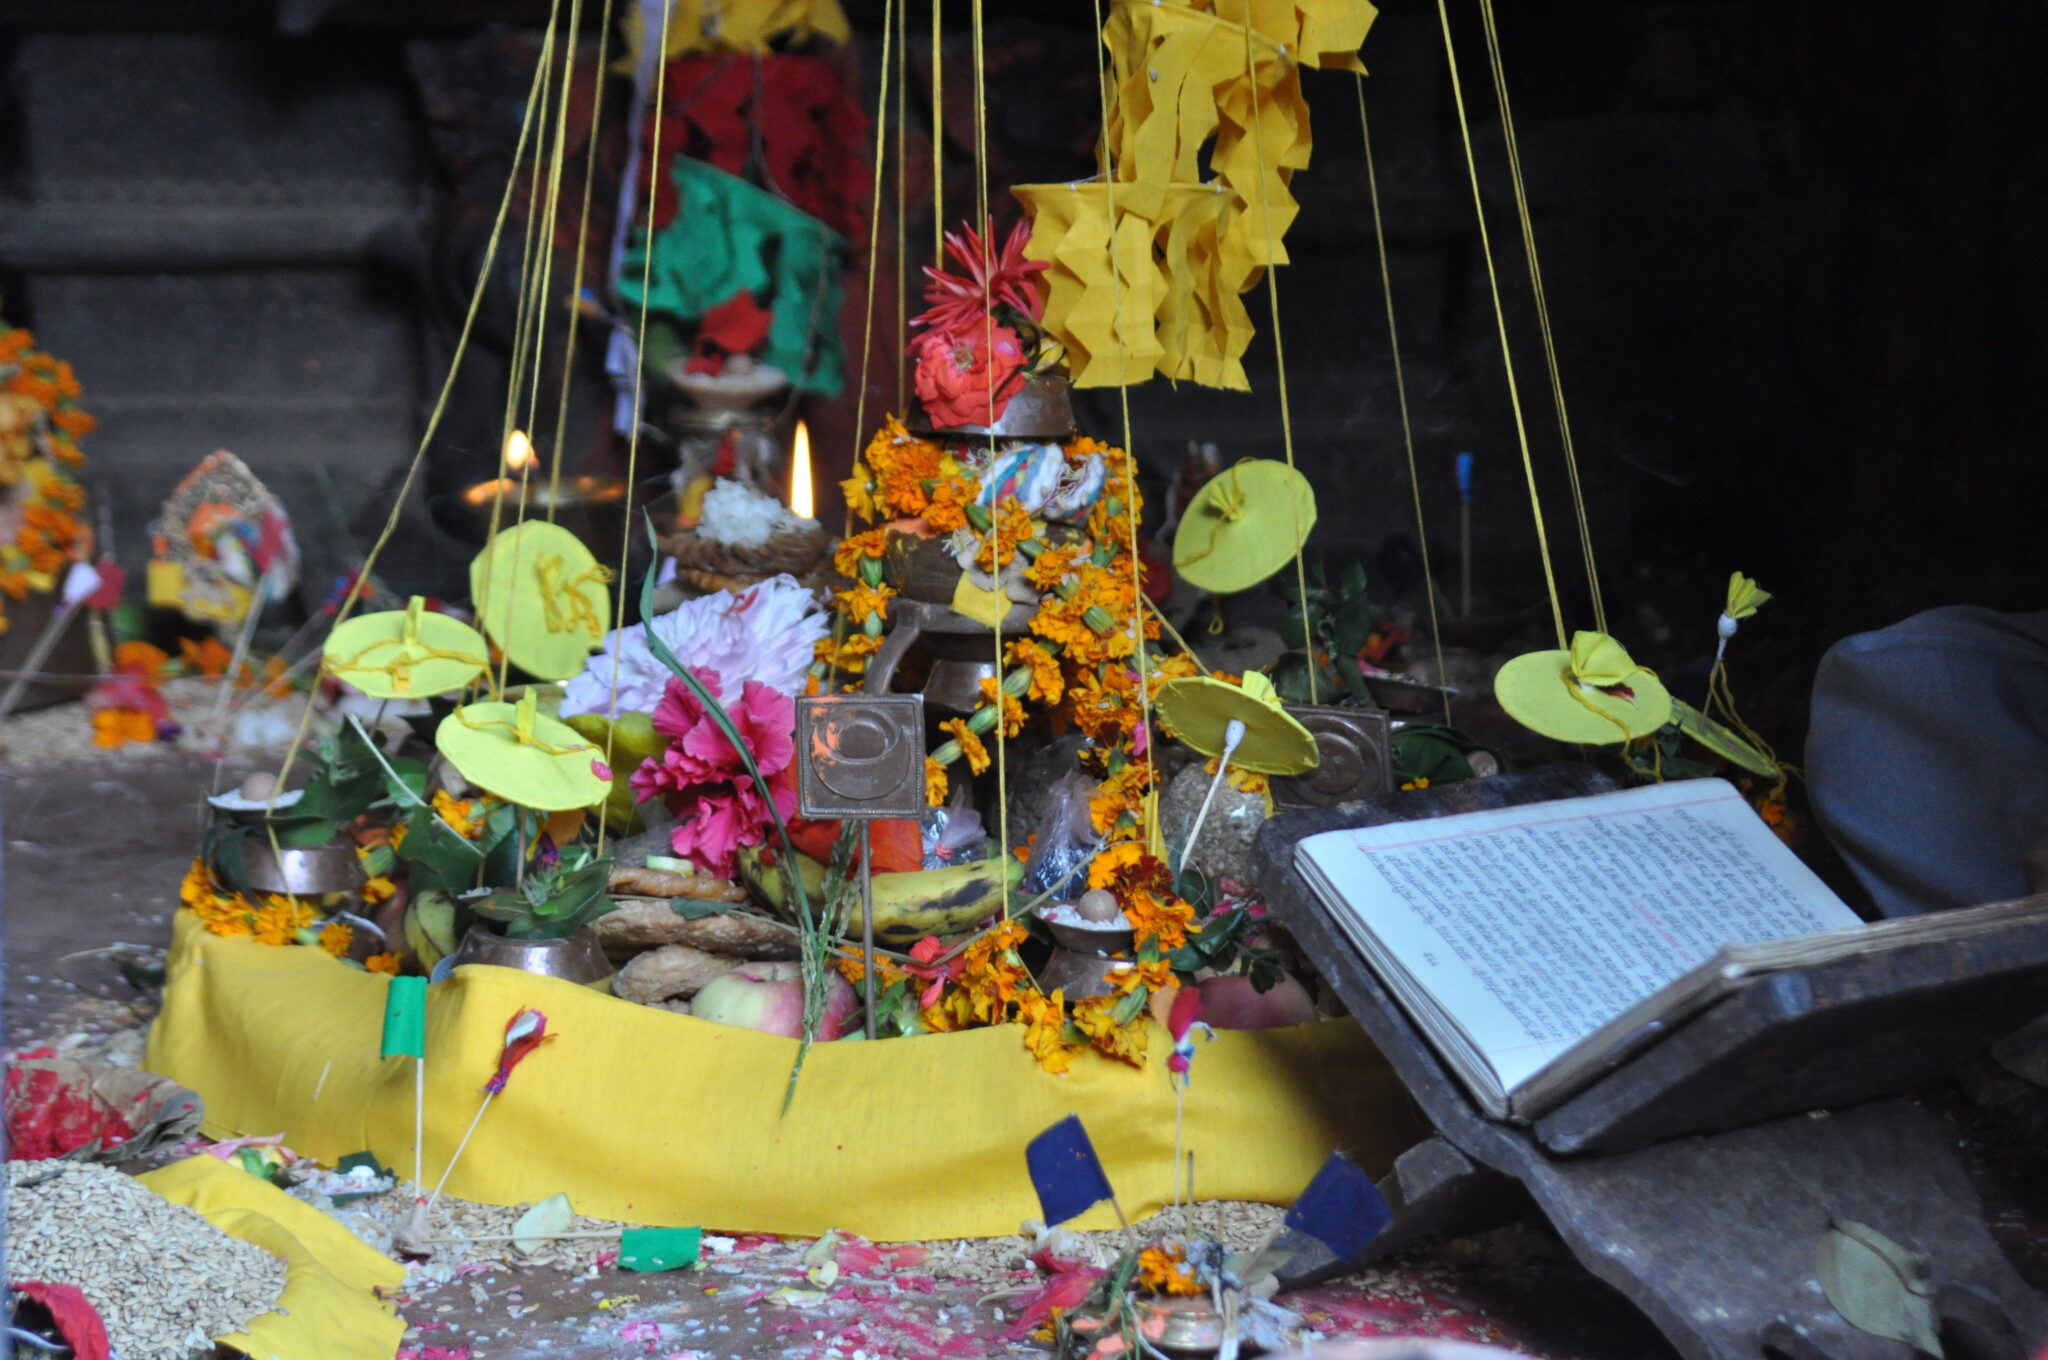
(165, 1280)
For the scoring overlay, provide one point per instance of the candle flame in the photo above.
(518, 451)
(802, 501)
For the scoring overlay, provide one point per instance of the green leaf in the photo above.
(1723, 741)
(1877, 1285)
(1431, 751)
(694, 909)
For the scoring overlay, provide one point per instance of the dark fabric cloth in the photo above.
(1927, 759)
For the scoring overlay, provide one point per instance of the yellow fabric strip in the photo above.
(327, 1308)
(648, 1117)
(1500, 319)
(1379, 235)
(1564, 423)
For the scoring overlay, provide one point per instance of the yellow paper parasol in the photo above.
(1595, 694)
(1243, 525)
(1199, 709)
(542, 598)
(408, 653)
(512, 751)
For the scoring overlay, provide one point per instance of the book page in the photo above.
(1532, 926)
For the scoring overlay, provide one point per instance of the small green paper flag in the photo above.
(649, 1249)
(405, 1017)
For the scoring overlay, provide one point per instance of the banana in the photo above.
(908, 906)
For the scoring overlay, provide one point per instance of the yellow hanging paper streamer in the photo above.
(1379, 232)
(691, 26)
(1180, 79)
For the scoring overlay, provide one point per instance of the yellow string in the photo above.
(399, 668)
(1251, 75)
(988, 336)
(1379, 232)
(938, 139)
(419, 457)
(1148, 802)
(902, 200)
(1501, 323)
(524, 738)
(544, 300)
(524, 334)
(867, 333)
(1564, 424)
(639, 380)
(604, 33)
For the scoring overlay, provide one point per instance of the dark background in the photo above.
(1790, 251)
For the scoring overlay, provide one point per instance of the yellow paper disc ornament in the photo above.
(409, 653)
(542, 597)
(512, 751)
(1198, 710)
(1244, 525)
(1595, 694)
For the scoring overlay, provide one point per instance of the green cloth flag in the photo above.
(649, 1249)
(728, 236)
(405, 1017)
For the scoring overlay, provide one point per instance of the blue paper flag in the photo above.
(1465, 478)
(1065, 1171)
(1340, 1209)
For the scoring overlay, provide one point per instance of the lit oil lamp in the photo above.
(590, 507)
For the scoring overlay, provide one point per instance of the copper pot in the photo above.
(579, 958)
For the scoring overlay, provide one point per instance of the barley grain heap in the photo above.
(165, 1280)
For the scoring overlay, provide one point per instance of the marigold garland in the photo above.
(40, 426)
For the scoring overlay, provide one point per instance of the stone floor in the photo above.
(95, 848)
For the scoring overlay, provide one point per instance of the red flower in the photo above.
(960, 384)
(992, 280)
(702, 777)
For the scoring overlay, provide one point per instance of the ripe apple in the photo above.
(770, 997)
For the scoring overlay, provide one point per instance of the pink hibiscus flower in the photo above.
(703, 780)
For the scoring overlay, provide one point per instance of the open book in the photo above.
(1539, 947)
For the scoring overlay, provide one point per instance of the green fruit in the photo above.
(430, 926)
(631, 742)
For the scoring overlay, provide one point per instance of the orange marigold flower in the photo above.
(861, 494)
(850, 653)
(1153, 976)
(863, 602)
(1047, 685)
(459, 813)
(279, 919)
(1044, 1020)
(969, 744)
(1011, 525)
(198, 884)
(377, 888)
(383, 963)
(935, 782)
(1053, 566)
(336, 937)
(116, 727)
(847, 557)
(206, 656)
(1163, 1271)
(992, 694)
(1093, 1017)
(73, 422)
(951, 495)
(1143, 886)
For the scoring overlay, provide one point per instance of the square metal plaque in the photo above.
(1357, 757)
(860, 755)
